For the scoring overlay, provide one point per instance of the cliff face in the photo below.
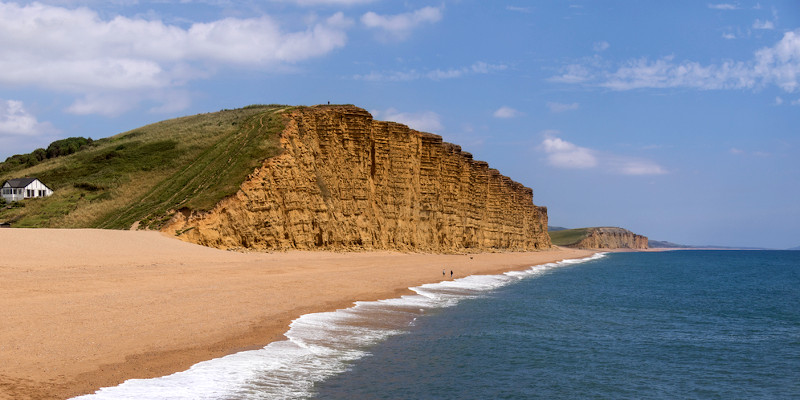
(345, 181)
(612, 238)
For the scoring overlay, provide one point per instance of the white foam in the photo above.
(318, 346)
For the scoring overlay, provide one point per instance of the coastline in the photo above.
(91, 308)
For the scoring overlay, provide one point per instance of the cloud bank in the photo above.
(113, 64)
(76, 51)
(506, 112)
(15, 120)
(478, 68)
(778, 65)
(400, 25)
(723, 6)
(309, 3)
(563, 154)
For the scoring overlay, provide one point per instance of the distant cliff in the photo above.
(346, 181)
(599, 238)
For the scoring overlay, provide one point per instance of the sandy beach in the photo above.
(83, 309)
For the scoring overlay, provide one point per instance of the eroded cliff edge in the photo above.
(600, 238)
(346, 181)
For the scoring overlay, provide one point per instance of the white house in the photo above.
(24, 188)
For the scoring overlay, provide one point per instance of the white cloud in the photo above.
(478, 68)
(780, 64)
(519, 9)
(796, 102)
(632, 166)
(15, 120)
(758, 153)
(425, 121)
(759, 24)
(399, 26)
(574, 73)
(561, 107)
(123, 44)
(777, 65)
(563, 154)
(506, 112)
(728, 36)
(601, 46)
(75, 50)
(665, 73)
(723, 6)
(326, 2)
(778, 100)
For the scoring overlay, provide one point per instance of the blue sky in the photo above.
(678, 120)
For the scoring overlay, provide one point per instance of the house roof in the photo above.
(20, 182)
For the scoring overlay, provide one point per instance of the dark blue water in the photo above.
(685, 324)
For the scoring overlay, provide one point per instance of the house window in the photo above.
(41, 193)
(28, 192)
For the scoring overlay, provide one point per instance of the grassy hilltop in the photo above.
(566, 237)
(147, 173)
(600, 237)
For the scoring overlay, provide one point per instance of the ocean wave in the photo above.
(318, 346)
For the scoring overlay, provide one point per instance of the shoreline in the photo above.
(92, 308)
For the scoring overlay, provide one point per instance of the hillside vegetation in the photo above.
(600, 237)
(58, 148)
(148, 173)
(566, 237)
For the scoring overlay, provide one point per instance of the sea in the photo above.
(640, 325)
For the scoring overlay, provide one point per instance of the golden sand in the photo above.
(83, 309)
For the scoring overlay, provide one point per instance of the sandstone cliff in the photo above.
(346, 181)
(600, 238)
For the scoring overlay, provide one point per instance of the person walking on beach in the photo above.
(442, 272)
(451, 273)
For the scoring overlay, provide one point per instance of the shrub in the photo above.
(87, 186)
(67, 146)
(58, 148)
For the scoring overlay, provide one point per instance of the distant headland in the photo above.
(598, 238)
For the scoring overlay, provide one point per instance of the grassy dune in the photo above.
(148, 173)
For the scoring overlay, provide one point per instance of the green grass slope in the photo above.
(145, 174)
(565, 237)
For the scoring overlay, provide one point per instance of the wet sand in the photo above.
(83, 309)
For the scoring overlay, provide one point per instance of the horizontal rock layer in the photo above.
(612, 238)
(346, 181)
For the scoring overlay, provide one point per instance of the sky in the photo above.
(678, 120)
